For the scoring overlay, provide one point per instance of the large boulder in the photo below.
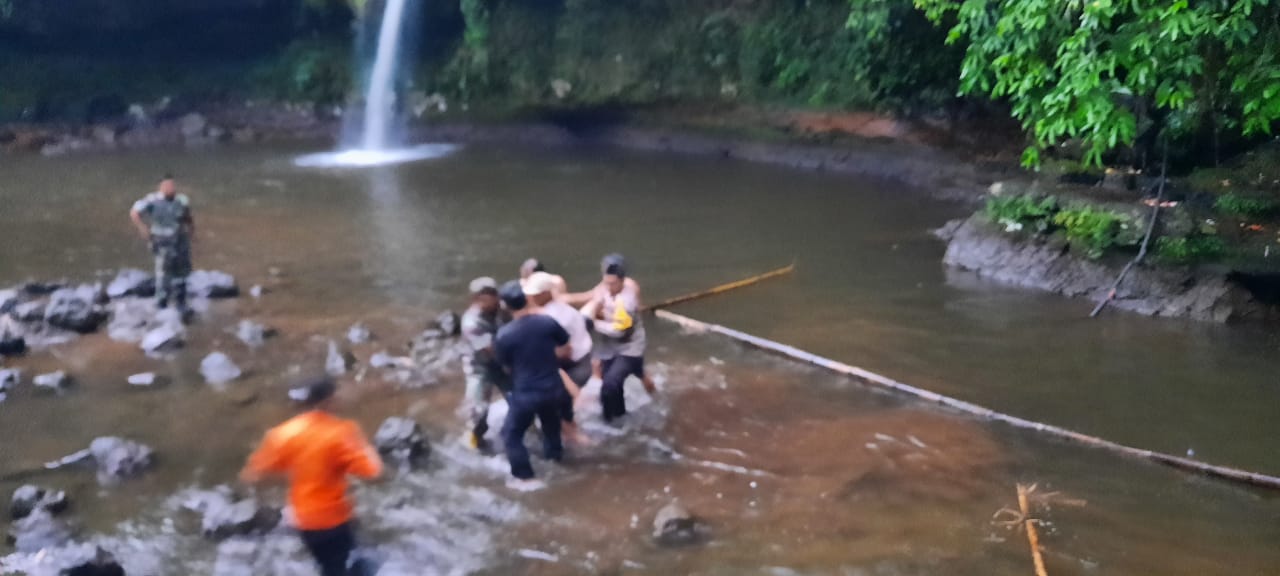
(52, 381)
(212, 284)
(32, 311)
(78, 309)
(118, 459)
(401, 442)
(131, 282)
(9, 298)
(166, 337)
(101, 563)
(27, 499)
(223, 514)
(217, 368)
(12, 345)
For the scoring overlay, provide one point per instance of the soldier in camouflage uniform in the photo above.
(480, 325)
(164, 219)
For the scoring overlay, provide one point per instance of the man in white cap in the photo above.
(543, 290)
(480, 324)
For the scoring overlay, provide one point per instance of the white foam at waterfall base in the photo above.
(368, 158)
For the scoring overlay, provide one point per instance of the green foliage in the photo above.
(1189, 249)
(1024, 210)
(1246, 206)
(1101, 71)
(1089, 228)
(314, 70)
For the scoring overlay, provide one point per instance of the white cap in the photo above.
(483, 283)
(539, 283)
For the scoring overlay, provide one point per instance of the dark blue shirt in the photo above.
(527, 346)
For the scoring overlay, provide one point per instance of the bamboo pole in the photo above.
(868, 377)
(1146, 240)
(1032, 536)
(723, 288)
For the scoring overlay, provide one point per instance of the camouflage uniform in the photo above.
(169, 222)
(481, 368)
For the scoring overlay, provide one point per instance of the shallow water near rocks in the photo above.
(794, 470)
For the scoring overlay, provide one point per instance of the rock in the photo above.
(10, 377)
(131, 282)
(42, 288)
(66, 145)
(77, 309)
(243, 135)
(448, 323)
(212, 284)
(217, 368)
(402, 442)
(143, 379)
(1047, 263)
(12, 345)
(217, 133)
(55, 381)
(384, 360)
(102, 563)
(674, 525)
(166, 337)
(223, 515)
(561, 88)
(138, 115)
(359, 334)
(193, 126)
(253, 334)
(9, 300)
(104, 135)
(27, 499)
(118, 459)
(39, 530)
(948, 230)
(256, 291)
(338, 362)
(29, 311)
(131, 319)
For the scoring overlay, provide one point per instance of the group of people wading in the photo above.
(528, 339)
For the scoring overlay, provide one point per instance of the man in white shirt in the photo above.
(542, 289)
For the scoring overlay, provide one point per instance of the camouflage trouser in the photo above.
(173, 264)
(480, 386)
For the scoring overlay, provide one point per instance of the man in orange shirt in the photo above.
(316, 450)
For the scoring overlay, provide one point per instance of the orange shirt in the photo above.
(317, 451)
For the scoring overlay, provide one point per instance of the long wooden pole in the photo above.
(723, 288)
(1146, 240)
(1033, 537)
(1223, 472)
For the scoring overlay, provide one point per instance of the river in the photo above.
(796, 471)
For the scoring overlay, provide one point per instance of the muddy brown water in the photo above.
(796, 471)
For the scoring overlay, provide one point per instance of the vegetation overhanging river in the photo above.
(796, 470)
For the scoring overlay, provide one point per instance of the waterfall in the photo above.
(379, 99)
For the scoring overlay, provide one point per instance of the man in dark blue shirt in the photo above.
(530, 347)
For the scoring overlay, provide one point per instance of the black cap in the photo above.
(318, 390)
(614, 265)
(512, 296)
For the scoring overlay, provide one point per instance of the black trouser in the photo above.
(331, 548)
(614, 372)
(523, 407)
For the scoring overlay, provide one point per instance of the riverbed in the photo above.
(795, 471)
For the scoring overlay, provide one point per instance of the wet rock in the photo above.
(217, 368)
(131, 319)
(143, 379)
(383, 360)
(674, 525)
(337, 362)
(104, 135)
(401, 442)
(102, 563)
(223, 515)
(9, 299)
(253, 334)
(256, 291)
(193, 126)
(77, 309)
(131, 282)
(118, 459)
(10, 377)
(12, 345)
(65, 145)
(39, 530)
(54, 381)
(359, 334)
(448, 323)
(38, 288)
(27, 499)
(212, 284)
(170, 335)
(29, 311)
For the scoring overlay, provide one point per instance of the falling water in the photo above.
(374, 145)
(379, 98)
